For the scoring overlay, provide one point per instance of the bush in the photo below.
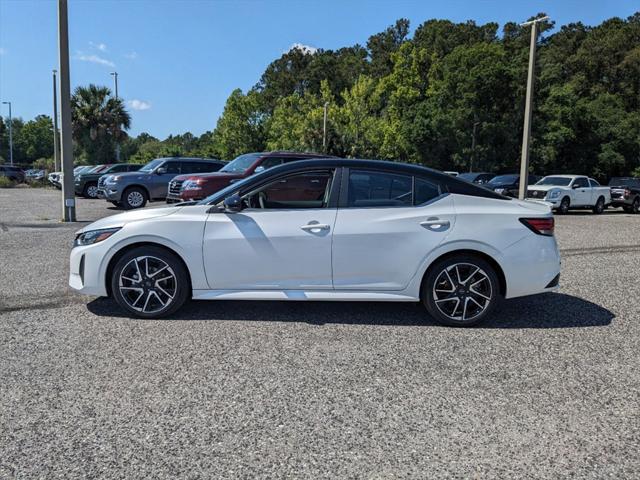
(6, 183)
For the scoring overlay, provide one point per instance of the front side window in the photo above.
(581, 182)
(271, 162)
(172, 167)
(377, 189)
(302, 190)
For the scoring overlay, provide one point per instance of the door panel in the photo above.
(269, 249)
(382, 248)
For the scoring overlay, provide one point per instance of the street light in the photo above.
(528, 108)
(324, 128)
(10, 134)
(115, 81)
(56, 138)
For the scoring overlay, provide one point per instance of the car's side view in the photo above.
(327, 229)
(565, 192)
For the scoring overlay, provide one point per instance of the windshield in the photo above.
(149, 167)
(560, 181)
(96, 169)
(503, 179)
(78, 170)
(241, 163)
(624, 182)
(469, 177)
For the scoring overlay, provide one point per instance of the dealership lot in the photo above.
(257, 389)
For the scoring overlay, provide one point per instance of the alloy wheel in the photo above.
(92, 191)
(462, 291)
(135, 199)
(147, 284)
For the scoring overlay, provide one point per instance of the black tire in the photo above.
(134, 197)
(90, 190)
(565, 203)
(483, 286)
(635, 206)
(598, 208)
(125, 291)
(116, 204)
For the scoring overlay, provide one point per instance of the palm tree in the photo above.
(98, 121)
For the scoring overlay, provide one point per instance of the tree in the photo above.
(35, 139)
(98, 121)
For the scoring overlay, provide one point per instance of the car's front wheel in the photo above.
(134, 197)
(150, 282)
(90, 190)
(461, 290)
(564, 206)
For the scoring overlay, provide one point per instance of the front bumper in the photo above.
(84, 269)
(112, 193)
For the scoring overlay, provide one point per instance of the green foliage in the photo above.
(6, 183)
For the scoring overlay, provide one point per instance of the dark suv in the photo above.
(86, 182)
(508, 184)
(196, 187)
(14, 174)
(134, 189)
(625, 193)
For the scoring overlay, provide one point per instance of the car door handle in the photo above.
(315, 226)
(435, 224)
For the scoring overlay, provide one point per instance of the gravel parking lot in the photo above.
(318, 390)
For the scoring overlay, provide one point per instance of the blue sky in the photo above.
(178, 60)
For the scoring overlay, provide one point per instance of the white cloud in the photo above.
(139, 104)
(131, 55)
(303, 48)
(94, 59)
(99, 46)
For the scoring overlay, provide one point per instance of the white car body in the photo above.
(365, 253)
(582, 192)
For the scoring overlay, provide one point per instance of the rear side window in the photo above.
(378, 189)
(593, 183)
(425, 191)
(271, 162)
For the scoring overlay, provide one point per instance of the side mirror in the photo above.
(575, 185)
(233, 203)
(259, 169)
(161, 170)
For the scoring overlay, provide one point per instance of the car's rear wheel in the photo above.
(90, 190)
(461, 290)
(150, 282)
(598, 208)
(635, 206)
(134, 197)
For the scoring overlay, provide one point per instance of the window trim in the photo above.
(343, 201)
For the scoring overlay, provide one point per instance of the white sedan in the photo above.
(327, 229)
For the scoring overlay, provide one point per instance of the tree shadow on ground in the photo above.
(552, 310)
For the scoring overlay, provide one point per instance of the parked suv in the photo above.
(508, 184)
(134, 189)
(14, 174)
(477, 177)
(196, 187)
(625, 193)
(86, 182)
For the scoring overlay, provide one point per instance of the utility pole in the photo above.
(56, 138)
(528, 109)
(115, 80)
(68, 193)
(473, 144)
(10, 134)
(324, 129)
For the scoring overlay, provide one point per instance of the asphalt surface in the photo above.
(550, 388)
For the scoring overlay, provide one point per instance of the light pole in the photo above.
(68, 193)
(115, 81)
(528, 109)
(10, 134)
(473, 145)
(324, 128)
(56, 138)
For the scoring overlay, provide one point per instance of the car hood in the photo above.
(546, 188)
(225, 176)
(122, 219)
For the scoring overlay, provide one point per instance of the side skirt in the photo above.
(303, 295)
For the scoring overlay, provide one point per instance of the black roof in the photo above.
(191, 159)
(453, 184)
(288, 153)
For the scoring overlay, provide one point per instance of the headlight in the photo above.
(112, 179)
(554, 193)
(499, 190)
(77, 178)
(94, 236)
(191, 185)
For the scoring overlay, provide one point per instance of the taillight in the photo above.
(540, 226)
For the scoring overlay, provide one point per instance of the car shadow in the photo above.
(551, 310)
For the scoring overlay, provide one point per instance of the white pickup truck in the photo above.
(564, 192)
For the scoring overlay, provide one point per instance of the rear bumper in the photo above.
(531, 266)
